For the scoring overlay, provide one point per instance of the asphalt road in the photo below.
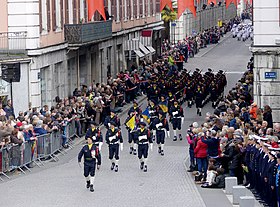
(165, 184)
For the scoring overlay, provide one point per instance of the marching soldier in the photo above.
(144, 139)
(115, 141)
(213, 94)
(97, 140)
(153, 110)
(199, 99)
(132, 134)
(154, 93)
(90, 153)
(161, 125)
(177, 118)
(136, 109)
(112, 118)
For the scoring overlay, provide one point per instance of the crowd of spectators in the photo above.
(238, 139)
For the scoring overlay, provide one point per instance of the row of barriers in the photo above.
(29, 153)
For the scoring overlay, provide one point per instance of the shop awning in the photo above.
(159, 28)
(143, 49)
(139, 53)
(151, 49)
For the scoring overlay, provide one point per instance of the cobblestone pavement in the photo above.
(165, 184)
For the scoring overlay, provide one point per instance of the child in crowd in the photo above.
(211, 174)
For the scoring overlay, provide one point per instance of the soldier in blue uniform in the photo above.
(153, 111)
(132, 134)
(95, 133)
(115, 141)
(270, 178)
(199, 97)
(90, 153)
(144, 139)
(112, 118)
(177, 118)
(161, 125)
(136, 109)
(277, 179)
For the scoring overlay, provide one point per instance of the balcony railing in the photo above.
(88, 32)
(13, 42)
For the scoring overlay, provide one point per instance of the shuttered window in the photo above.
(74, 12)
(66, 11)
(61, 13)
(157, 6)
(48, 15)
(53, 15)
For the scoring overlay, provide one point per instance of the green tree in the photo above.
(167, 15)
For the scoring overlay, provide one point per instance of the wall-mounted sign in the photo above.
(270, 75)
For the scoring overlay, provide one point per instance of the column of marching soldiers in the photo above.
(166, 92)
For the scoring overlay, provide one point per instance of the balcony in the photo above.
(13, 43)
(87, 33)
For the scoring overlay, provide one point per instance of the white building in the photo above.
(266, 51)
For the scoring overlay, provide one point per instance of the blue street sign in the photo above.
(173, 24)
(270, 75)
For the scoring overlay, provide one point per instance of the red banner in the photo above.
(95, 5)
(214, 1)
(164, 3)
(228, 2)
(183, 5)
(147, 33)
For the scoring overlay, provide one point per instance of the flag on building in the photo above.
(185, 4)
(146, 115)
(164, 3)
(131, 123)
(96, 5)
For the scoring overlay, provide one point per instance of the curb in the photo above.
(139, 101)
(223, 39)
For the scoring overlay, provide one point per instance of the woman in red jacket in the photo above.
(200, 153)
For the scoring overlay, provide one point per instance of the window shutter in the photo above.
(157, 6)
(85, 11)
(61, 13)
(121, 10)
(141, 8)
(128, 9)
(135, 9)
(40, 15)
(79, 12)
(53, 15)
(66, 11)
(48, 15)
(74, 12)
(113, 9)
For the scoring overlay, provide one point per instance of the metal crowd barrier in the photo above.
(14, 156)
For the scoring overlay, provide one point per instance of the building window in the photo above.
(44, 16)
(149, 8)
(82, 11)
(138, 9)
(143, 9)
(118, 10)
(58, 14)
(70, 11)
(125, 9)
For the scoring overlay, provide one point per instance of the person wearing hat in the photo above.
(115, 141)
(153, 111)
(154, 92)
(135, 109)
(90, 153)
(199, 97)
(177, 118)
(95, 133)
(144, 138)
(270, 178)
(161, 125)
(113, 117)
(132, 133)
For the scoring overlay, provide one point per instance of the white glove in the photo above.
(158, 125)
(94, 137)
(109, 125)
(93, 153)
(100, 145)
(174, 113)
(151, 146)
(121, 146)
(80, 165)
(168, 133)
(111, 138)
(182, 120)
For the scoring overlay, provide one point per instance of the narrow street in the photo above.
(165, 184)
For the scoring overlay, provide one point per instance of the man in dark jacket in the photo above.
(213, 144)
